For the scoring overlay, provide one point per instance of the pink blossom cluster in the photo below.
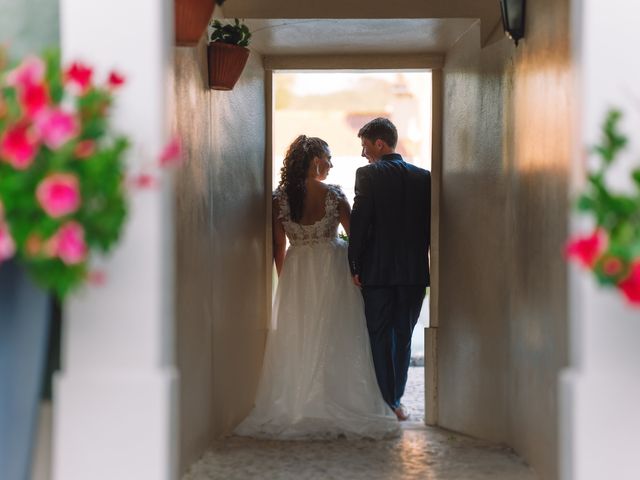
(42, 122)
(590, 252)
(37, 124)
(45, 124)
(59, 196)
(67, 244)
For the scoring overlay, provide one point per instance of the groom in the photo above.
(388, 246)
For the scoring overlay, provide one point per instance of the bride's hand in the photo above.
(356, 281)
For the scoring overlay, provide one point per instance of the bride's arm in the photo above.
(344, 209)
(279, 237)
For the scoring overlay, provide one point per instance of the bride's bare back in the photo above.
(315, 202)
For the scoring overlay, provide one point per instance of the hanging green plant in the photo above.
(236, 33)
(227, 53)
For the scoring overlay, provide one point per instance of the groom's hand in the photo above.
(356, 281)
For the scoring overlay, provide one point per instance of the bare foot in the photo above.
(401, 412)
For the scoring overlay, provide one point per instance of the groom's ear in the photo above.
(379, 144)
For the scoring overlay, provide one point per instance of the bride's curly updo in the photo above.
(295, 168)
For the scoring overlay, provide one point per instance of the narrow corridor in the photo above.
(421, 452)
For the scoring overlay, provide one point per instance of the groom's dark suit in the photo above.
(388, 247)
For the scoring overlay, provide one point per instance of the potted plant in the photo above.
(191, 19)
(63, 199)
(61, 196)
(62, 171)
(227, 53)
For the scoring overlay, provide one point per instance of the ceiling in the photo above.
(395, 18)
(355, 36)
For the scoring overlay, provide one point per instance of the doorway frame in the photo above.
(413, 61)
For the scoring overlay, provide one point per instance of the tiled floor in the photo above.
(421, 453)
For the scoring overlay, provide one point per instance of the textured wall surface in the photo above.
(29, 25)
(601, 391)
(221, 221)
(473, 338)
(503, 307)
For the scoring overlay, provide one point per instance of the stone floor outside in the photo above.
(414, 394)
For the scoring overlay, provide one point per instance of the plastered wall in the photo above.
(220, 215)
(503, 303)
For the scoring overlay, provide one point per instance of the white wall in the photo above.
(115, 399)
(601, 396)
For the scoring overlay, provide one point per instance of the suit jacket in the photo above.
(390, 223)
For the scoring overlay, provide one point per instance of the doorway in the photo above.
(333, 105)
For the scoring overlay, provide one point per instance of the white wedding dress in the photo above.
(318, 380)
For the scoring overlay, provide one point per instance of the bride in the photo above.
(318, 379)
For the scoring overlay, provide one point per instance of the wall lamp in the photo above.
(513, 18)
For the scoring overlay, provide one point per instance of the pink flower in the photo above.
(172, 153)
(85, 148)
(56, 127)
(68, 243)
(143, 181)
(7, 245)
(59, 194)
(586, 249)
(630, 286)
(33, 99)
(78, 76)
(115, 80)
(29, 72)
(18, 146)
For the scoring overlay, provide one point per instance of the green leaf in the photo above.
(235, 33)
(612, 140)
(585, 203)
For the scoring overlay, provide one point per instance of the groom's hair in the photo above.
(380, 128)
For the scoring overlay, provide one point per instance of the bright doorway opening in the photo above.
(333, 106)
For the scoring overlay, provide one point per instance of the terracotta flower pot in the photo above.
(192, 18)
(226, 63)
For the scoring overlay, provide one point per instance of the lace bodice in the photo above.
(325, 229)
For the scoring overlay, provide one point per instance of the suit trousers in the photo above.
(392, 312)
